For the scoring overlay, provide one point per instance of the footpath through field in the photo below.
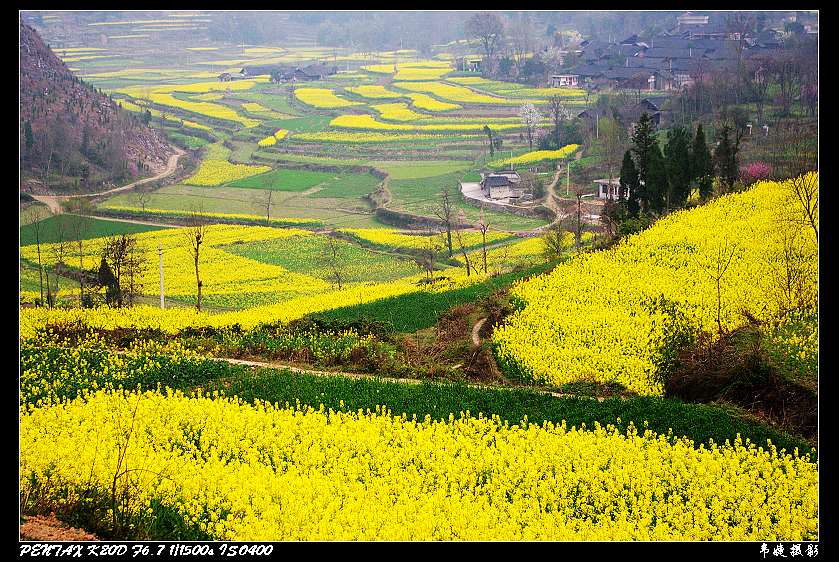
(551, 202)
(54, 201)
(318, 373)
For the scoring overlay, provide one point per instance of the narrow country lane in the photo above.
(54, 201)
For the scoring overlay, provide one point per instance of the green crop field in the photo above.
(310, 254)
(284, 180)
(65, 227)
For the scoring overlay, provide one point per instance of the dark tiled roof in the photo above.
(319, 69)
(496, 181)
(647, 62)
(623, 73)
(590, 70)
(264, 69)
(656, 52)
(727, 53)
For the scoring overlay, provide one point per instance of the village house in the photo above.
(472, 64)
(632, 114)
(502, 186)
(563, 80)
(609, 189)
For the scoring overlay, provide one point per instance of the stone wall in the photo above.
(540, 211)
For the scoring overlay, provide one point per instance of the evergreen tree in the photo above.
(725, 158)
(629, 184)
(29, 141)
(107, 280)
(643, 141)
(677, 163)
(657, 184)
(701, 167)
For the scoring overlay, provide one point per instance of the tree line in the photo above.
(654, 182)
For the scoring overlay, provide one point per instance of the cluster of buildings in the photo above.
(280, 73)
(698, 44)
(506, 187)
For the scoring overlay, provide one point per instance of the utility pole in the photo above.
(160, 256)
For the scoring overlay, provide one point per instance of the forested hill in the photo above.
(73, 136)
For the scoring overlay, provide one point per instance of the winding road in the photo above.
(54, 201)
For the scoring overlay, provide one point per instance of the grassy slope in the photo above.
(98, 227)
(415, 311)
(303, 254)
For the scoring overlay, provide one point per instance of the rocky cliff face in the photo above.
(73, 134)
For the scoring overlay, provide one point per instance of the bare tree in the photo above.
(787, 73)
(793, 272)
(717, 264)
(756, 78)
(135, 265)
(578, 231)
(806, 190)
(427, 258)
(555, 242)
(521, 35)
(115, 250)
(80, 226)
(489, 30)
(530, 118)
(264, 201)
(36, 216)
(59, 248)
(612, 144)
(796, 157)
(553, 58)
(331, 256)
(445, 212)
(461, 219)
(740, 25)
(196, 231)
(483, 226)
(142, 197)
(560, 113)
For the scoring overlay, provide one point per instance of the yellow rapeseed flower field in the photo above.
(460, 94)
(370, 123)
(222, 272)
(537, 156)
(397, 112)
(267, 472)
(367, 136)
(613, 316)
(217, 172)
(322, 98)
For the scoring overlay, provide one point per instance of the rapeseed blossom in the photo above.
(271, 472)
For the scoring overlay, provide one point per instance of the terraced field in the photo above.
(345, 376)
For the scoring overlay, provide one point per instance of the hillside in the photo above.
(73, 136)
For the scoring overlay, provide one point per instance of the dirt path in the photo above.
(551, 202)
(132, 221)
(387, 379)
(49, 528)
(476, 338)
(54, 201)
